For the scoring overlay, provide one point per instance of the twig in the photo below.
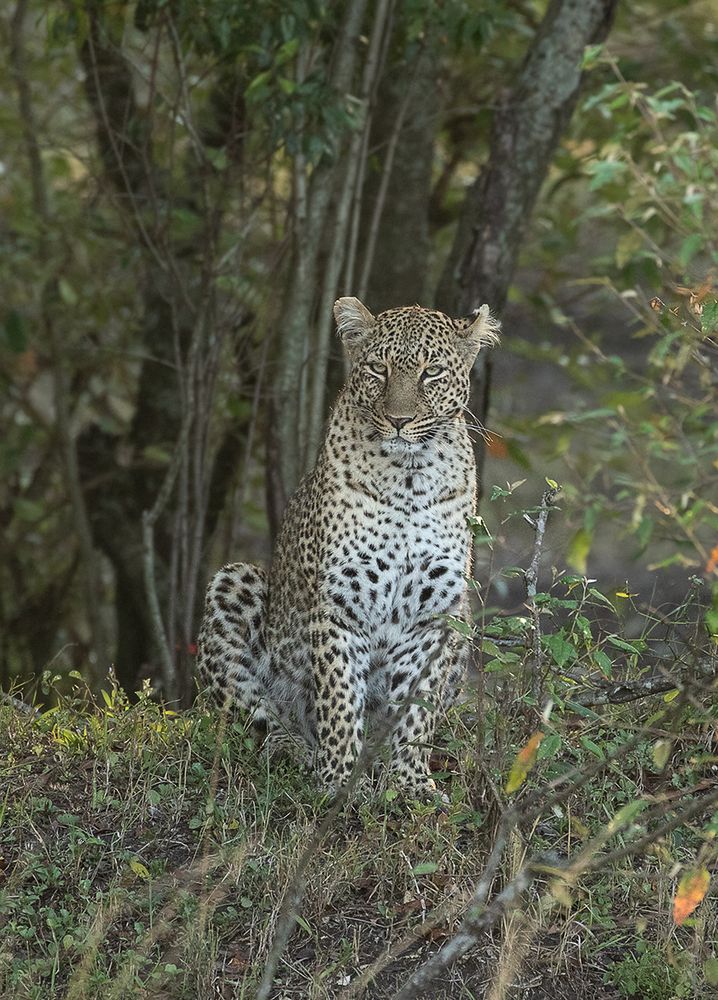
(384, 182)
(589, 859)
(531, 577)
(340, 229)
(525, 812)
(149, 519)
(47, 288)
(623, 692)
(477, 920)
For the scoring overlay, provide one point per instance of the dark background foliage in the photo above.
(186, 188)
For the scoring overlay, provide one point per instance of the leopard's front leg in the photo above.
(424, 674)
(340, 668)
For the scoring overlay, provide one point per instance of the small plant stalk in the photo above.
(531, 577)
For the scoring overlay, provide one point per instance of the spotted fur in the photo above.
(373, 552)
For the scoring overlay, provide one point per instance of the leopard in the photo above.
(353, 627)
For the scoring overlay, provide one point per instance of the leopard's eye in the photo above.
(433, 371)
(377, 369)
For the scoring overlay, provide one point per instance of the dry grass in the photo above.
(146, 854)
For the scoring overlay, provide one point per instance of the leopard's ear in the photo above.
(481, 331)
(354, 323)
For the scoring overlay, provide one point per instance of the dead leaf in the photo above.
(712, 564)
(523, 762)
(496, 446)
(691, 890)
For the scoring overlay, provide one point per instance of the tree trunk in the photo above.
(525, 133)
(316, 195)
(174, 387)
(407, 108)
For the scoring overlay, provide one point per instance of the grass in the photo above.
(145, 854)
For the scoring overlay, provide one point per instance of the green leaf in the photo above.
(258, 83)
(156, 454)
(218, 159)
(583, 710)
(601, 598)
(629, 647)
(303, 923)
(67, 292)
(490, 648)
(497, 492)
(709, 317)
(511, 571)
(140, 870)
(425, 868)
(578, 550)
(627, 246)
(626, 815)
(590, 56)
(690, 246)
(710, 971)
(603, 662)
(28, 510)
(605, 172)
(661, 753)
(462, 627)
(286, 51)
(549, 747)
(561, 650)
(592, 747)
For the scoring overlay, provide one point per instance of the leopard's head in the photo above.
(410, 366)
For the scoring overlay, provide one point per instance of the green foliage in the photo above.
(648, 974)
(637, 433)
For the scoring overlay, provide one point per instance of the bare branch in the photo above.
(477, 919)
(149, 520)
(523, 812)
(531, 576)
(589, 859)
(48, 292)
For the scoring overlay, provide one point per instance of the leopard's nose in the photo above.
(398, 421)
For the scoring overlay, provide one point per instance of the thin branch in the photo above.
(589, 859)
(297, 308)
(149, 520)
(48, 291)
(524, 812)
(340, 231)
(475, 922)
(623, 692)
(531, 577)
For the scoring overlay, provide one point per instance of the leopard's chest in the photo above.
(400, 556)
